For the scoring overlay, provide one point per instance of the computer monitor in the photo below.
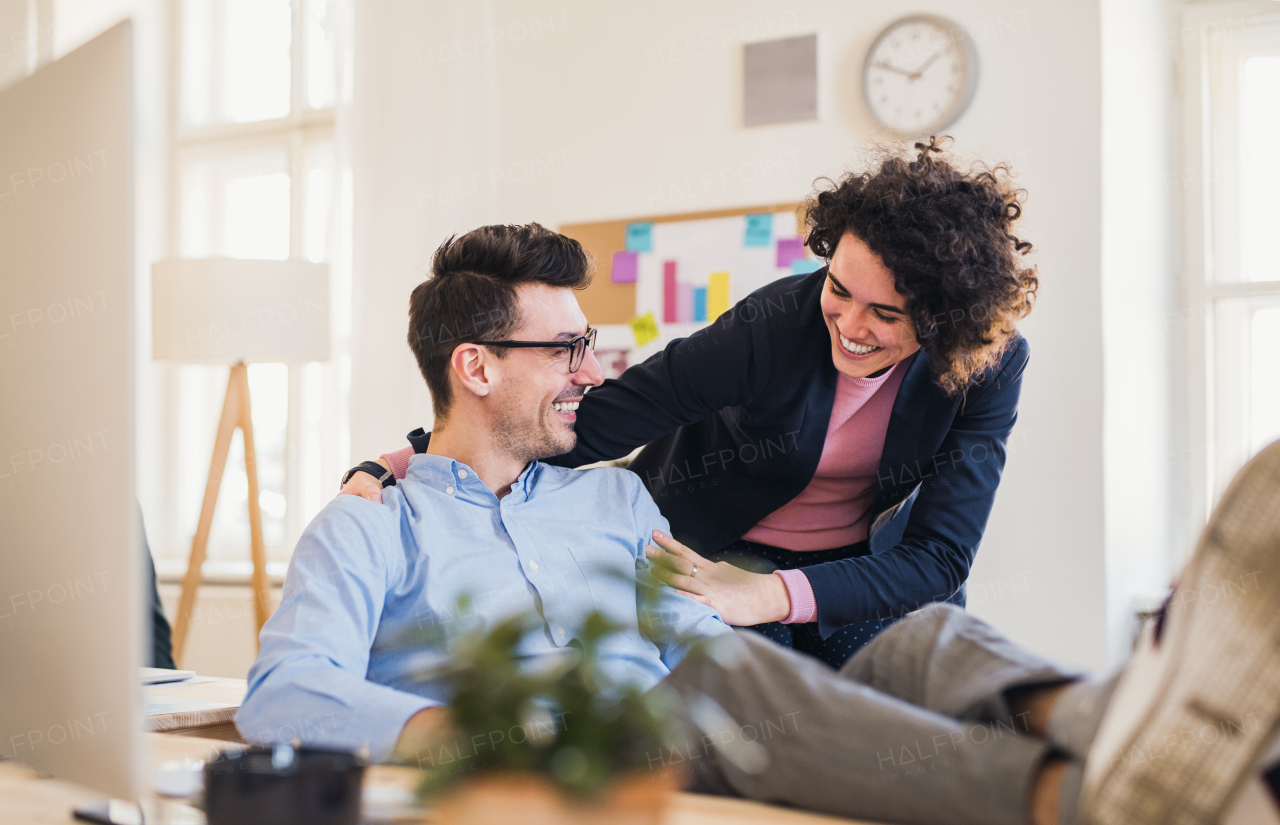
(72, 605)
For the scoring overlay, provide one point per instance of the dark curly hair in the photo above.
(946, 235)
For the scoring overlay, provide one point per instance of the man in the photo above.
(940, 720)
(506, 353)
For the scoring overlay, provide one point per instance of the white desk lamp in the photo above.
(225, 311)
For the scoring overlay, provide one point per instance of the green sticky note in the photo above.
(644, 328)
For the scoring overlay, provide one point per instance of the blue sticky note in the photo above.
(803, 266)
(699, 303)
(759, 230)
(640, 237)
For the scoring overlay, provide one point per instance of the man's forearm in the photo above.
(424, 728)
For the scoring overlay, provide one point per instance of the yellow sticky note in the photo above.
(644, 328)
(717, 295)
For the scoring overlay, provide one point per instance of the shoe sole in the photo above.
(1219, 700)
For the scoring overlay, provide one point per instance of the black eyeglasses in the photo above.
(576, 347)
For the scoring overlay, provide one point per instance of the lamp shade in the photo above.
(223, 310)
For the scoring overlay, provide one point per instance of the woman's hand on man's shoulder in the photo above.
(364, 485)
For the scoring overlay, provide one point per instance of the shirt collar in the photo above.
(455, 478)
(438, 471)
(524, 484)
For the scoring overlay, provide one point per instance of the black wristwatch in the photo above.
(384, 476)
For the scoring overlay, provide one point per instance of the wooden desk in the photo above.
(26, 799)
(211, 723)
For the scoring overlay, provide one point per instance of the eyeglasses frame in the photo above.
(589, 339)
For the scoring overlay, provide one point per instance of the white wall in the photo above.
(1143, 480)
(223, 639)
(635, 110)
(17, 32)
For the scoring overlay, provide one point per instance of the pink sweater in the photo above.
(832, 510)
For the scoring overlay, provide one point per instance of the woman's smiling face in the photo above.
(869, 323)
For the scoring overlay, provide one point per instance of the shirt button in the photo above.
(533, 565)
(449, 489)
(462, 474)
(560, 630)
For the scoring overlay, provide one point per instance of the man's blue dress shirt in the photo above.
(334, 668)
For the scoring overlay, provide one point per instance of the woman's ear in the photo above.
(470, 364)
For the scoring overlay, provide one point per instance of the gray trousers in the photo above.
(915, 728)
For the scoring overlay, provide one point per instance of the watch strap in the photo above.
(385, 477)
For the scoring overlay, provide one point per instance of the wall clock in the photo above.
(920, 74)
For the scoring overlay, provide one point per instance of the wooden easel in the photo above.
(235, 413)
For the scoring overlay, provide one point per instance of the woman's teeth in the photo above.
(856, 349)
(565, 406)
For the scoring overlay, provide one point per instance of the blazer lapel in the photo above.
(900, 461)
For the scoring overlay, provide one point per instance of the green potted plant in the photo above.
(557, 743)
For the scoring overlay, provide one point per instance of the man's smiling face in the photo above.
(535, 402)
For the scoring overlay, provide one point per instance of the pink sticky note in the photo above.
(789, 249)
(669, 309)
(624, 267)
(684, 303)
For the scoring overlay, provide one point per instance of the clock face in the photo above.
(920, 75)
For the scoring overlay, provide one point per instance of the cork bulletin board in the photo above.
(607, 302)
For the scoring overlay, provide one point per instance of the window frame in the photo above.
(296, 134)
(1205, 88)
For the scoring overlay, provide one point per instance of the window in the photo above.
(1231, 91)
(256, 173)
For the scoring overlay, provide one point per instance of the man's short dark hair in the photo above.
(471, 294)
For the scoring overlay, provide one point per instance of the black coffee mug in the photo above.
(283, 785)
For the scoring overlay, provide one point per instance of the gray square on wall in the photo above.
(780, 83)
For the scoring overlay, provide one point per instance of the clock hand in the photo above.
(887, 66)
(928, 63)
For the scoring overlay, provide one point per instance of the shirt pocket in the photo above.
(610, 573)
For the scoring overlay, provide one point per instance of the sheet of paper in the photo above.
(717, 295)
(692, 251)
(684, 303)
(640, 237)
(790, 249)
(157, 705)
(194, 680)
(624, 268)
(670, 301)
(759, 230)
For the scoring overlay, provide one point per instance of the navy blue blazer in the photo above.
(735, 417)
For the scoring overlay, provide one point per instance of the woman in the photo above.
(828, 451)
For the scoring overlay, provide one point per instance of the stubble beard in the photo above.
(517, 435)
